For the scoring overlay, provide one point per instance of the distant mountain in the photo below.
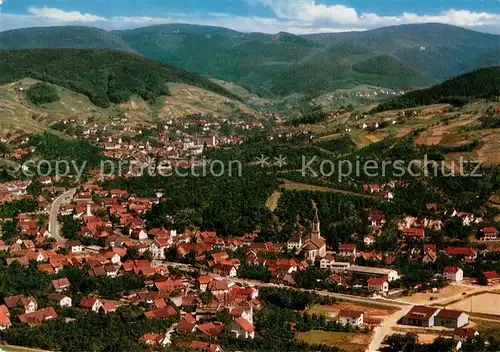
(442, 50)
(407, 56)
(482, 83)
(61, 37)
(269, 64)
(104, 76)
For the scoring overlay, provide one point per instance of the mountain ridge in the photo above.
(280, 64)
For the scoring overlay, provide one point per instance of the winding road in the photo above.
(64, 198)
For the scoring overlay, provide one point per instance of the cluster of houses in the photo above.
(14, 190)
(165, 297)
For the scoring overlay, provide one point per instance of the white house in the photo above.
(157, 248)
(327, 262)
(91, 303)
(377, 284)
(453, 273)
(463, 334)
(242, 328)
(61, 300)
(351, 317)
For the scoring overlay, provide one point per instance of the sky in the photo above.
(268, 16)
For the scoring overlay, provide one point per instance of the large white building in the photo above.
(388, 274)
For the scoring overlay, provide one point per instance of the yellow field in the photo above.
(347, 341)
(486, 303)
(446, 292)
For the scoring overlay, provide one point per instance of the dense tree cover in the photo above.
(15, 279)
(254, 272)
(104, 76)
(52, 148)
(107, 287)
(9, 230)
(482, 83)
(284, 63)
(385, 65)
(70, 227)
(118, 331)
(9, 210)
(487, 341)
(229, 204)
(309, 115)
(42, 93)
(341, 215)
(409, 343)
(338, 146)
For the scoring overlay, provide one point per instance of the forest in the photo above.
(42, 93)
(105, 76)
(482, 83)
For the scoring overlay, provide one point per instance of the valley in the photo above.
(194, 188)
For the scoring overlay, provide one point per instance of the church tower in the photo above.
(315, 226)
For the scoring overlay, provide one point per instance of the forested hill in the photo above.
(482, 83)
(70, 37)
(399, 57)
(105, 76)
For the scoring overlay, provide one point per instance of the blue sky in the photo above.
(270, 16)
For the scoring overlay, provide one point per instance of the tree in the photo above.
(42, 93)
(132, 253)
(148, 255)
(401, 343)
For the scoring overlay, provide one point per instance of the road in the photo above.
(384, 329)
(64, 198)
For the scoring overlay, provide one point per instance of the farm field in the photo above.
(446, 292)
(331, 311)
(486, 303)
(347, 341)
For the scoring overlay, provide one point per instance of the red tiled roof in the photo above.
(465, 332)
(491, 275)
(60, 284)
(490, 230)
(88, 302)
(376, 281)
(460, 251)
(161, 313)
(245, 324)
(451, 270)
(211, 328)
(38, 316)
(421, 312)
(347, 247)
(350, 313)
(449, 314)
(413, 232)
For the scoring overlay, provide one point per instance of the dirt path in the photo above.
(313, 188)
(272, 201)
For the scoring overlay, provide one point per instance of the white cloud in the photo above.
(294, 16)
(311, 12)
(64, 16)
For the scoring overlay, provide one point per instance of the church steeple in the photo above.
(315, 233)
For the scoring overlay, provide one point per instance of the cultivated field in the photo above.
(446, 292)
(486, 303)
(331, 311)
(347, 341)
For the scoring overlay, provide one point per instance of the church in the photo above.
(312, 246)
